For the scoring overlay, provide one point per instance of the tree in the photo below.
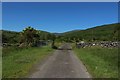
(29, 36)
(53, 38)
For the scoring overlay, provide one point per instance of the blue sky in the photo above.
(57, 17)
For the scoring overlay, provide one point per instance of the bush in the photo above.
(54, 47)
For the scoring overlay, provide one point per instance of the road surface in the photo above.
(62, 64)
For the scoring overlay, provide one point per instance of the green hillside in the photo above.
(13, 37)
(104, 33)
(10, 36)
(99, 33)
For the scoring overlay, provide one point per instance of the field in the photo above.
(100, 62)
(18, 62)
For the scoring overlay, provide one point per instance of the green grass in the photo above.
(100, 62)
(0, 62)
(18, 63)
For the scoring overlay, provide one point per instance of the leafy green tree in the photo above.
(29, 36)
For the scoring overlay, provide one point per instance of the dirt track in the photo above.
(62, 64)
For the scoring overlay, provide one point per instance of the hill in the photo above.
(107, 32)
(14, 37)
(103, 32)
(10, 36)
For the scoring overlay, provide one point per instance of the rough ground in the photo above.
(62, 64)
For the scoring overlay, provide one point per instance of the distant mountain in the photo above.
(57, 34)
(60, 34)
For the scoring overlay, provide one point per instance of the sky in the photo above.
(57, 16)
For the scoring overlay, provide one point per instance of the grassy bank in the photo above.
(17, 63)
(100, 62)
(0, 62)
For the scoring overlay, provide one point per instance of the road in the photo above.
(62, 64)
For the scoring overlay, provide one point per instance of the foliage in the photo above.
(45, 35)
(29, 36)
(99, 33)
(10, 36)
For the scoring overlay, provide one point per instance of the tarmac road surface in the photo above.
(62, 63)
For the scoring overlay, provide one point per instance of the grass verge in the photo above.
(18, 63)
(100, 62)
(0, 62)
